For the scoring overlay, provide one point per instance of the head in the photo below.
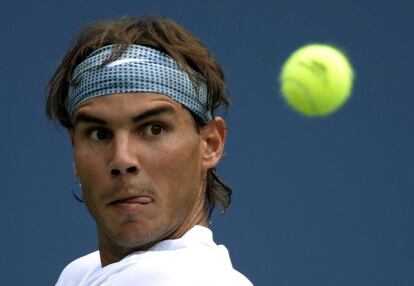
(144, 159)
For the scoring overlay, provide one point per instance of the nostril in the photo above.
(132, 169)
(129, 170)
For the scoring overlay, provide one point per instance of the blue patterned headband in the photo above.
(138, 69)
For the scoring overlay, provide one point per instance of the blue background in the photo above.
(316, 201)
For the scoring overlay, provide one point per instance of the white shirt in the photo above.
(192, 260)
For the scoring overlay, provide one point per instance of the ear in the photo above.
(214, 137)
(71, 133)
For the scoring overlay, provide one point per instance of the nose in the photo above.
(124, 160)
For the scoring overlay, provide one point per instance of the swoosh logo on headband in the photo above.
(126, 61)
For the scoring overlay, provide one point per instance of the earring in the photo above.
(79, 185)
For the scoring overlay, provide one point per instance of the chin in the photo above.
(135, 238)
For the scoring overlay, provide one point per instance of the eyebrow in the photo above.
(154, 112)
(82, 117)
(86, 118)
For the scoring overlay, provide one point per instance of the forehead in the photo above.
(128, 104)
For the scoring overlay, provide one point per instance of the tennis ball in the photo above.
(316, 80)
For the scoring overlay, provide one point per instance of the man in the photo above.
(137, 97)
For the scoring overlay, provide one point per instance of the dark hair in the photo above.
(160, 33)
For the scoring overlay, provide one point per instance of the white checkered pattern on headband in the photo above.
(138, 69)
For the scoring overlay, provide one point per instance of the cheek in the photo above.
(178, 156)
(90, 165)
(178, 170)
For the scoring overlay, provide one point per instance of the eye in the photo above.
(154, 129)
(99, 134)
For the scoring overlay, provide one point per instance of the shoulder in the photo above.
(178, 274)
(75, 271)
(193, 260)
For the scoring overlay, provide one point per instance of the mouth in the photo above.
(131, 203)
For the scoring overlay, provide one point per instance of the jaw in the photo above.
(132, 232)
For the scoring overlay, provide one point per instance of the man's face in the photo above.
(142, 163)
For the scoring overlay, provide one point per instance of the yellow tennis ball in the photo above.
(316, 80)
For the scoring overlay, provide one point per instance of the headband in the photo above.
(138, 69)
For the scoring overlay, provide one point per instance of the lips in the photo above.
(133, 200)
(131, 204)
